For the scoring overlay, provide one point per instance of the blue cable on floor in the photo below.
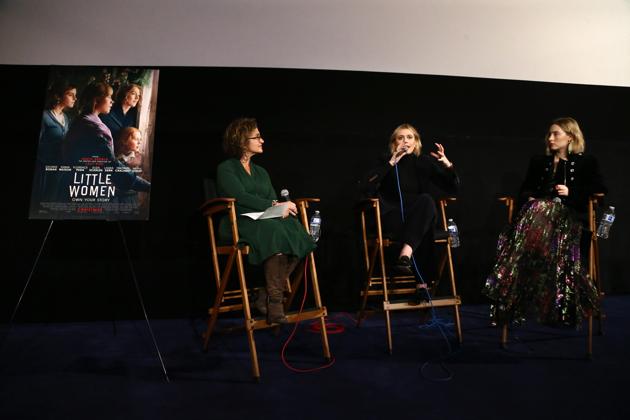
(440, 323)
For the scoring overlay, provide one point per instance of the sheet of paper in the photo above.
(269, 213)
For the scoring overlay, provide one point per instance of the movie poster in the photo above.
(96, 144)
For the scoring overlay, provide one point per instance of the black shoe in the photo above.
(420, 296)
(403, 266)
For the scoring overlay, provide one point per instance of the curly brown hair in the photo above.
(236, 136)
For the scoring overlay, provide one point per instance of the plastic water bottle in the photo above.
(604, 225)
(316, 224)
(453, 233)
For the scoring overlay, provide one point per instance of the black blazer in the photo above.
(580, 173)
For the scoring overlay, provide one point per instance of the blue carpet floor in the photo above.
(85, 371)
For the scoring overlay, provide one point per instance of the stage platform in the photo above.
(106, 370)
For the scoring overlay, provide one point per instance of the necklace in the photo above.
(562, 162)
(245, 162)
(245, 159)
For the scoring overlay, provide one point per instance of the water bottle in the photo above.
(453, 233)
(604, 225)
(316, 224)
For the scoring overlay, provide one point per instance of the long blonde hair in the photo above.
(418, 143)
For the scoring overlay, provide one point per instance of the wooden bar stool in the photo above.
(381, 283)
(593, 268)
(227, 256)
(594, 202)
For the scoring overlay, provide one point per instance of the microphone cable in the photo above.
(283, 357)
(435, 321)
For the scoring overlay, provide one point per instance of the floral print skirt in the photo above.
(538, 270)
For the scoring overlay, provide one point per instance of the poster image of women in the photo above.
(84, 169)
(60, 100)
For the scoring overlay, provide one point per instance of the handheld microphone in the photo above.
(401, 152)
(284, 195)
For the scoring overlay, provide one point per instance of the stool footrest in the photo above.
(261, 323)
(437, 302)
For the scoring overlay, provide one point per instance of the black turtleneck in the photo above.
(417, 175)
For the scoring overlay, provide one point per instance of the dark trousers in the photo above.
(417, 231)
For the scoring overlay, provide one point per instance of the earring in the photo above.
(570, 148)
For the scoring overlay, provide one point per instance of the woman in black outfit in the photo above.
(539, 268)
(403, 181)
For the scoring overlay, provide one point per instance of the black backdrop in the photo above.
(322, 130)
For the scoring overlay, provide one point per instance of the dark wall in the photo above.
(322, 130)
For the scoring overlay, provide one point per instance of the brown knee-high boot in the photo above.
(292, 262)
(260, 300)
(275, 277)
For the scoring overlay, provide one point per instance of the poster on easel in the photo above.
(95, 145)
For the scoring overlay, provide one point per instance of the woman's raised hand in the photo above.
(441, 157)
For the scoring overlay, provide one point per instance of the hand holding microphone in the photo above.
(290, 207)
(402, 151)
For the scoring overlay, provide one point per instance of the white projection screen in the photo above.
(570, 41)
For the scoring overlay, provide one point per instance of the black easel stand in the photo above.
(135, 281)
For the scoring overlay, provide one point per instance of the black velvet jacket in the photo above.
(580, 173)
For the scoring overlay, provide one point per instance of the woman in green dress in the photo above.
(276, 243)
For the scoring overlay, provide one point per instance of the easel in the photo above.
(135, 281)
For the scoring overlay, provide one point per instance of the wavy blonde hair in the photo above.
(572, 128)
(392, 139)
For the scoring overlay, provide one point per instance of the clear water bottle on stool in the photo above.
(603, 230)
(316, 225)
(453, 233)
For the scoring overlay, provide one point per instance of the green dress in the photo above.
(254, 193)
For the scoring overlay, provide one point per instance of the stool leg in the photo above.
(370, 262)
(252, 352)
(389, 331)
(600, 322)
(363, 304)
(589, 338)
(248, 317)
(324, 334)
(451, 270)
(217, 303)
(310, 260)
(211, 323)
(504, 335)
(458, 324)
